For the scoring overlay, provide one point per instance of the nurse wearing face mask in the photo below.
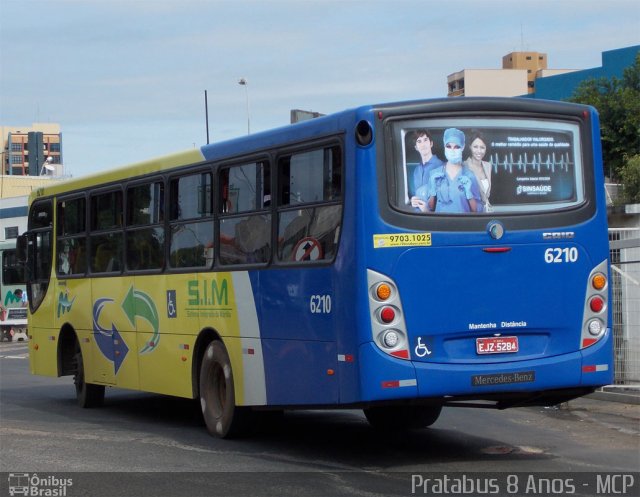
(452, 188)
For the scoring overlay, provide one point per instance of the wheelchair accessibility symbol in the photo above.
(422, 349)
(172, 312)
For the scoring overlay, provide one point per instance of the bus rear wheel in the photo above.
(87, 394)
(398, 418)
(217, 395)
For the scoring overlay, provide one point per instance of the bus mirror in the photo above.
(21, 248)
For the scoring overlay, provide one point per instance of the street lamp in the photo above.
(245, 83)
(47, 168)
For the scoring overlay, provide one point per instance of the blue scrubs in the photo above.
(452, 194)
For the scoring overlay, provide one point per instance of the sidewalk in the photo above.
(613, 407)
(618, 393)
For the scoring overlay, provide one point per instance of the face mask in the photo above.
(453, 155)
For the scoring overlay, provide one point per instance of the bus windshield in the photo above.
(465, 166)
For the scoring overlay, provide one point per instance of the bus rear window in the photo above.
(472, 166)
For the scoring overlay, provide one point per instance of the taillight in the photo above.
(598, 281)
(596, 304)
(390, 338)
(383, 291)
(594, 321)
(387, 315)
(388, 329)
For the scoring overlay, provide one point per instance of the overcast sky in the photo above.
(126, 79)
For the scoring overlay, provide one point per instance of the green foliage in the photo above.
(618, 103)
(631, 180)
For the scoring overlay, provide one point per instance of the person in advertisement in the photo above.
(480, 167)
(428, 162)
(21, 296)
(452, 188)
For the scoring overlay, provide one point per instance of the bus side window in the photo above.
(245, 222)
(191, 221)
(103, 258)
(310, 208)
(72, 236)
(79, 260)
(145, 226)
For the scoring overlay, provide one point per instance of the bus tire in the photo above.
(217, 395)
(87, 394)
(398, 418)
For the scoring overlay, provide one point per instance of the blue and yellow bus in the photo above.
(396, 258)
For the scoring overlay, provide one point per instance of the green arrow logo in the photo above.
(139, 304)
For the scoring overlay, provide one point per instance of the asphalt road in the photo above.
(142, 444)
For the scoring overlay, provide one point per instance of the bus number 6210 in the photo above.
(558, 255)
(320, 304)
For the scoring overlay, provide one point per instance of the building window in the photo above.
(54, 147)
(16, 159)
(528, 57)
(11, 232)
(16, 147)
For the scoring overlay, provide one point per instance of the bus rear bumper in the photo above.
(387, 378)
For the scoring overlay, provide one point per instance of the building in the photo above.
(531, 62)
(562, 86)
(520, 73)
(13, 217)
(526, 74)
(31, 151)
(31, 157)
(14, 196)
(487, 83)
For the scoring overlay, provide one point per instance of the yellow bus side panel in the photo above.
(126, 360)
(167, 368)
(140, 332)
(43, 351)
(43, 343)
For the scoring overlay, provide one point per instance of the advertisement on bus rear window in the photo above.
(478, 166)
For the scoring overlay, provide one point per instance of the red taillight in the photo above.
(596, 304)
(387, 314)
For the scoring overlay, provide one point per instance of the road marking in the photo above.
(14, 351)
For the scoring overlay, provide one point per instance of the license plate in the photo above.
(496, 345)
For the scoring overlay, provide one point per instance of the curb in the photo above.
(622, 395)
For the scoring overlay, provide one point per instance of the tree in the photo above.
(618, 103)
(631, 180)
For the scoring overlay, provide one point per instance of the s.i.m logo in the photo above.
(208, 298)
